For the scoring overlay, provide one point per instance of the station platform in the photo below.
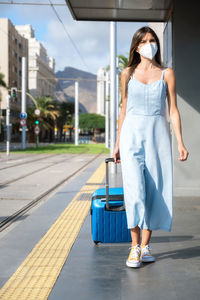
(49, 253)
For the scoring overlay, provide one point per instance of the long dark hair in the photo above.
(134, 57)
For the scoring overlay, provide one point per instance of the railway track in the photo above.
(10, 219)
(32, 172)
(27, 162)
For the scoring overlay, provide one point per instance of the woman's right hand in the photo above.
(116, 155)
(183, 152)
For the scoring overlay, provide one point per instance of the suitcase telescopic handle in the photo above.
(108, 207)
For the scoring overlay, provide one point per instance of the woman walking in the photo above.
(143, 144)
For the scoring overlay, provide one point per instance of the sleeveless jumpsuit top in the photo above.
(146, 157)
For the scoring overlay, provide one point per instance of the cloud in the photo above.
(91, 38)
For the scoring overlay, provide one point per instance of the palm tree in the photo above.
(2, 82)
(122, 63)
(48, 113)
(46, 105)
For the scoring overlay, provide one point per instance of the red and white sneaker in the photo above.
(146, 254)
(134, 257)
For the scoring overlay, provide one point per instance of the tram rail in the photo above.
(10, 219)
(26, 162)
(32, 172)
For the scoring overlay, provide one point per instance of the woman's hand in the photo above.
(116, 155)
(183, 152)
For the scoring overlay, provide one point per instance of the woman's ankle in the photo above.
(135, 244)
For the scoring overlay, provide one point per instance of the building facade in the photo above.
(12, 48)
(41, 77)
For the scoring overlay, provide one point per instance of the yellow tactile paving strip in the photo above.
(36, 276)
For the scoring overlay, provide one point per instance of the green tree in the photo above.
(65, 117)
(48, 113)
(2, 82)
(122, 63)
(91, 121)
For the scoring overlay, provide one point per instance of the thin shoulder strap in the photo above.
(132, 76)
(162, 73)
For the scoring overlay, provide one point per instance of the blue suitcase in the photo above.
(108, 215)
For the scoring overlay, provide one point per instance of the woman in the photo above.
(143, 144)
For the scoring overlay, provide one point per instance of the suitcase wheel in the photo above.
(96, 242)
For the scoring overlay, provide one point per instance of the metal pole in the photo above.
(117, 88)
(8, 124)
(76, 113)
(23, 104)
(37, 141)
(113, 46)
(107, 111)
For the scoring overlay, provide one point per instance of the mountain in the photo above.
(65, 88)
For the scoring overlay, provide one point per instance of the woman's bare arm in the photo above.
(124, 79)
(174, 112)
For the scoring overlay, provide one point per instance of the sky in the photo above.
(91, 38)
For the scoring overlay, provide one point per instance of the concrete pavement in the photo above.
(100, 272)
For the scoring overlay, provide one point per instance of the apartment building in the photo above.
(42, 79)
(12, 48)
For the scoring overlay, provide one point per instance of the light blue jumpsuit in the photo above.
(146, 157)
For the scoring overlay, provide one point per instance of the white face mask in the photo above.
(149, 50)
